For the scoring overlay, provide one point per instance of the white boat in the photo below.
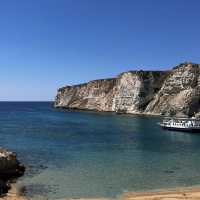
(181, 124)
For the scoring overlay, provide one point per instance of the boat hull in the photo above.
(191, 130)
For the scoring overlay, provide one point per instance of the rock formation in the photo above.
(9, 168)
(173, 92)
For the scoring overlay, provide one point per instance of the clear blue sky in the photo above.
(46, 44)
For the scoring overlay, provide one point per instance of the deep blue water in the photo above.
(87, 154)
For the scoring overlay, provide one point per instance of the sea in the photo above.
(82, 154)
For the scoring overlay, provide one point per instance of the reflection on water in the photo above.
(88, 154)
(181, 137)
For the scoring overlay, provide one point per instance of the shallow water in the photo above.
(87, 154)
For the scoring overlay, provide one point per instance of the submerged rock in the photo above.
(174, 92)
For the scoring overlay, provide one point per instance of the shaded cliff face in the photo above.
(174, 92)
(180, 93)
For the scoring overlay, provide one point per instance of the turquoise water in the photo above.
(87, 154)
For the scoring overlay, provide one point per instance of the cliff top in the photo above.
(185, 64)
(141, 72)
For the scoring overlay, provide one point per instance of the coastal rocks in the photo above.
(9, 168)
(174, 92)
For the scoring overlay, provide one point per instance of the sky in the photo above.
(47, 44)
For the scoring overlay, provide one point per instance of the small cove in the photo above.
(78, 154)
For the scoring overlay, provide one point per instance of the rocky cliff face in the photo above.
(174, 92)
(95, 95)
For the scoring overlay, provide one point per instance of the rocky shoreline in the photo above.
(13, 194)
(10, 169)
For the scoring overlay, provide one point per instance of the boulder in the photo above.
(10, 168)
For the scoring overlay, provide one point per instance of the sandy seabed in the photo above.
(176, 194)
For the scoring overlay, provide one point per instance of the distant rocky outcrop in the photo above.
(10, 168)
(174, 92)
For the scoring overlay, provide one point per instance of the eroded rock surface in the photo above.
(173, 92)
(10, 168)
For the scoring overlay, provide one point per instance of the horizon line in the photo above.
(26, 101)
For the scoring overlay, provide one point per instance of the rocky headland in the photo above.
(10, 168)
(175, 92)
